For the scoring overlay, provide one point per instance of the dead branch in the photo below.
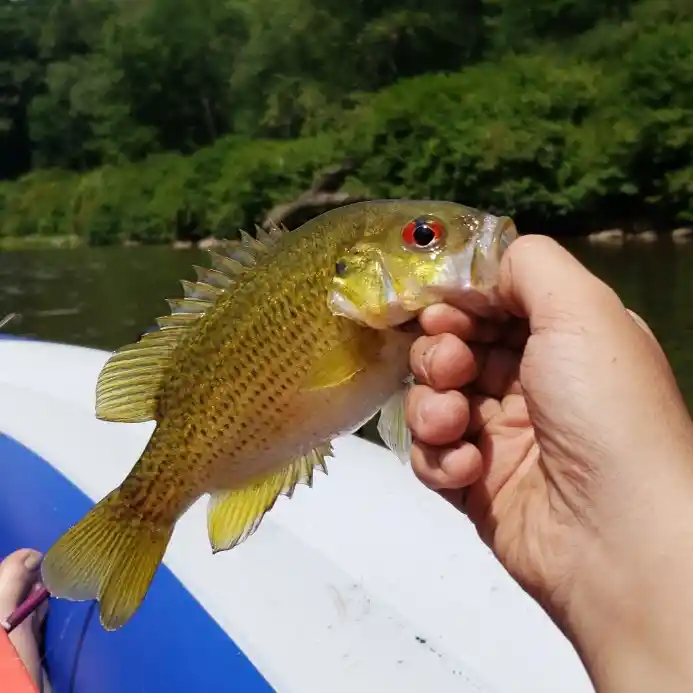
(323, 195)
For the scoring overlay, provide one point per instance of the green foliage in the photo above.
(519, 25)
(107, 81)
(217, 190)
(38, 204)
(548, 148)
(167, 119)
(303, 60)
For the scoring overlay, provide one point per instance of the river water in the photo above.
(104, 297)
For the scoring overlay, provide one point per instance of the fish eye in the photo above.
(423, 232)
(340, 268)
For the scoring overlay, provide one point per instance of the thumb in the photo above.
(541, 281)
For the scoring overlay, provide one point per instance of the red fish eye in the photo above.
(422, 233)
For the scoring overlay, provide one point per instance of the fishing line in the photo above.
(8, 319)
(80, 644)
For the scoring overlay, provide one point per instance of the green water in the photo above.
(106, 297)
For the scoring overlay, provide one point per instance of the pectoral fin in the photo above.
(346, 360)
(392, 425)
(232, 516)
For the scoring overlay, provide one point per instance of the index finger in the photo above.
(443, 318)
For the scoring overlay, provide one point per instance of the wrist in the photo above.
(629, 608)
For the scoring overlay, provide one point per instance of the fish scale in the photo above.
(249, 379)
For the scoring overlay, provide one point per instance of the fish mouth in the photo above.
(496, 236)
(477, 266)
(469, 279)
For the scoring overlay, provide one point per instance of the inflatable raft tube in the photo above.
(366, 582)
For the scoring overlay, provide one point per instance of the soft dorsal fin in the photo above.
(232, 516)
(129, 384)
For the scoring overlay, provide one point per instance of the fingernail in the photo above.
(423, 413)
(427, 360)
(640, 322)
(32, 561)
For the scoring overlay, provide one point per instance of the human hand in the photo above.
(561, 433)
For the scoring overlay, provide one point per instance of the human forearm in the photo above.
(630, 609)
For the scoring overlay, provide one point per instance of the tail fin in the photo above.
(110, 555)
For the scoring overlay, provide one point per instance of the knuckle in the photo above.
(420, 356)
(448, 365)
(419, 462)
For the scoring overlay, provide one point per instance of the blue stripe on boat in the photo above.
(171, 644)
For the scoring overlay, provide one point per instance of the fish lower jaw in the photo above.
(341, 306)
(391, 315)
(388, 320)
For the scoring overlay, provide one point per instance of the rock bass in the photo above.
(287, 341)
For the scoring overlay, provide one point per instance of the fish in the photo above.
(287, 341)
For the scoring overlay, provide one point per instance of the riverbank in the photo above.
(609, 237)
(618, 237)
(16, 243)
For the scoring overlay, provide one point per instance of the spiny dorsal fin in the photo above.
(197, 306)
(227, 265)
(263, 236)
(212, 277)
(254, 245)
(232, 516)
(129, 384)
(276, 231)
(244, 252)
(177, 320)
(200, 291)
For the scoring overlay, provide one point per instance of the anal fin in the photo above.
(232, 516)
